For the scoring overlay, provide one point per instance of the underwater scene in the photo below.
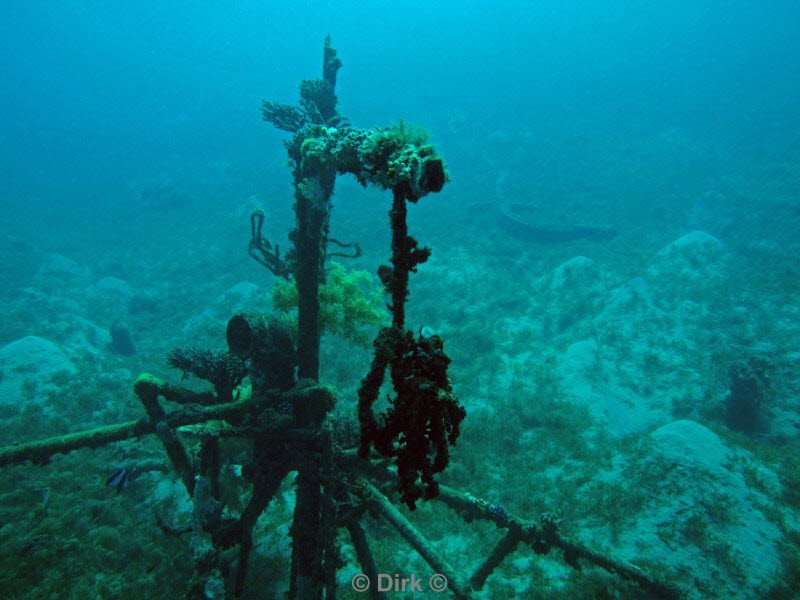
(402, 300)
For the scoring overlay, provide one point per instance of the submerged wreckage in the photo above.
(346, 473)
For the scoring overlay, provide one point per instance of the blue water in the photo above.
(94, 94)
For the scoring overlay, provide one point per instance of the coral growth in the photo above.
(424, 417)
(317, 100)
(223, 369)
(393, 158)
(350, 305)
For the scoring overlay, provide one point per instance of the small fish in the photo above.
(119, 479)
(123, 476)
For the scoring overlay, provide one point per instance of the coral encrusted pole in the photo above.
(314, 177)
(321, 147)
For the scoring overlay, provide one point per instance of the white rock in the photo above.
(575, 369)
(236, 297)
(585, 380)
(86, 336)
(695, 260)
(242, 297)
(633, 297)
(113, 289)
(57, 266)
(692, 446)
(578, 273)
(701, 501)
(29, 366)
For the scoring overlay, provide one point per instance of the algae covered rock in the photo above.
(703, 497)
(30, 369)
